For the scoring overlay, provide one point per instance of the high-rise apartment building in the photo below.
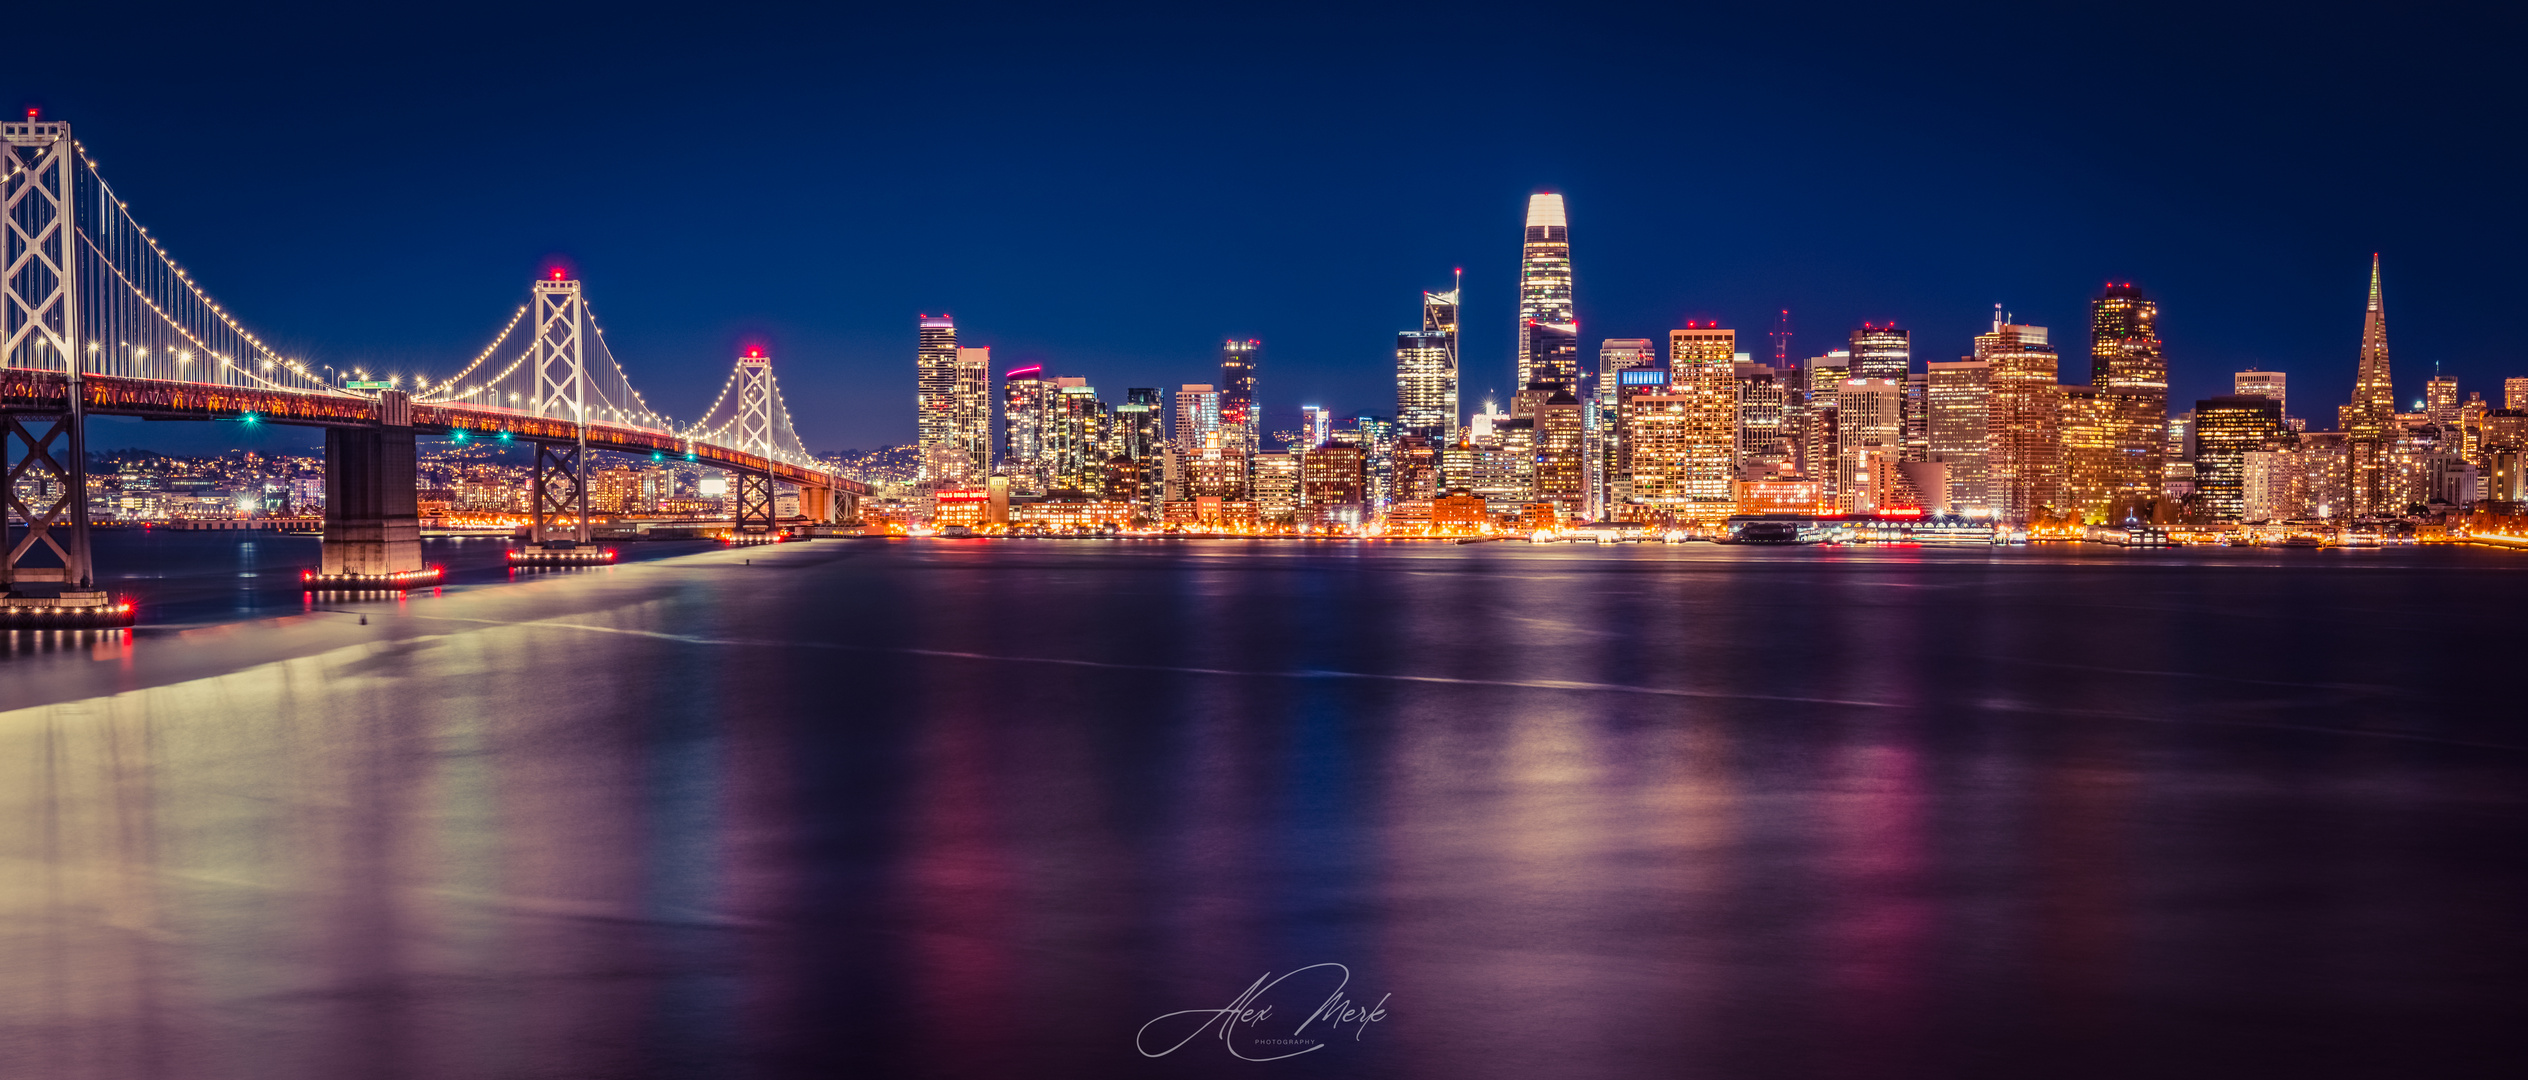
(2227, 429)
(2515, 394)
(1882, 352)
(1076, 438)
(2128, 368)
(1702, 372)
(1426, 369)
(1957, 407)
(2272, 384)
(1238, 415)
(1544, 276)
(936, 413)
(2024, 462)
(1197, 416)
(2369, 420)
(1026, 408)
(1141, 437)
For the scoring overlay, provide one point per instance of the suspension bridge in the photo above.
(96, 318)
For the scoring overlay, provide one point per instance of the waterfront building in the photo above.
(1882, 352)
(2128, 370)
(1426, 369)
(2369, 420)
(2023, 460)
(936, 414)
(1217, 470)
(1702, 372)
(1076, 437)
(971, 406)
(1615, 356)
(1814, 427)
(1560, 474)
(2088, 426)
(1276, 484)
(1334, 486)
(1026, 409)
(2272, 384)
(1238, 415)
(1870, 436)
(1141, 435)
(1630, 383)
(1544, 275)
(1660, 439)
(2227, 429)
(1957, 407)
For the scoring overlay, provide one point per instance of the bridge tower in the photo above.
(755, 511)
(48, 576)
(559, 485)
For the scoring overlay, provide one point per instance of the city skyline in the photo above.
(2247, 245)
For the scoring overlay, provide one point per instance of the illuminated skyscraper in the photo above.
(1026, 407)
(1544, 276)
(1426, 369)
(1238, 361)
(2515, 394)
(2272, 384)
(1615, 356)
(2369, 421)
(935, 403)
(2227, 429)
(1141, 436)
(971, 425)
(2024, 464)
(1958, 406)
(1870, 431)
(1702, 372)
(1882, 352)
(2129, 370)
(1560, 473)
(1764, 447)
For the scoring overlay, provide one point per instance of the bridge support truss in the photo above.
(755, 502)
(560, 480)
(47, 578)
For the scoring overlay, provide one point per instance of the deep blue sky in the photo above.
(1111, 191)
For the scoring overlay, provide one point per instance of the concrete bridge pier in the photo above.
(372, 524)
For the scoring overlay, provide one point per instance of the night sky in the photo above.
(1111, 191)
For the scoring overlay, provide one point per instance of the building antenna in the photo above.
(1782, 341)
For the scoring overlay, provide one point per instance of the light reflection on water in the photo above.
(1949, 814)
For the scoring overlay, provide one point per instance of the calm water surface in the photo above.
(979, 809)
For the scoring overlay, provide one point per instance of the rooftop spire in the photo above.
(2374, 281)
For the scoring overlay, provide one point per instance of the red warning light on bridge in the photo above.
(557, 273)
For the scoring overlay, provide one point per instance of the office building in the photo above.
(1141, 437)
(1426, 369)
(1702, 374)
(1814, 423)
(1956, 409)
(1882, 352)
(1334, 487)
(1560, 473)
(1869, 432)
(2087, 422)
(1615, 356)
(2515, 394)
(2227, 429)
(2272, 384)
(1544, 275)
(1764, 450)
(2369, 420)
(2440, 399)
(2024, 462)
(2128, 369)
(1076, 434)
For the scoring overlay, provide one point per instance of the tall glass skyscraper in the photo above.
(1426, 369)
(1026, 408)
(2024, 461)
(1238, 418)
(1544, 276)
(2129, 370)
